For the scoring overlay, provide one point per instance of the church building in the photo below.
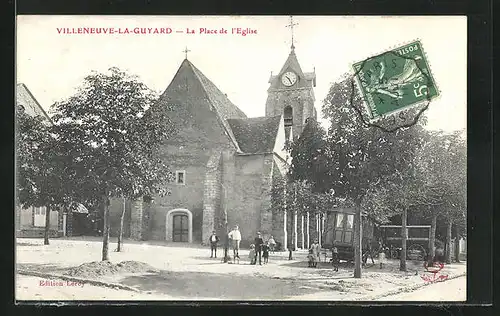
(224, 162)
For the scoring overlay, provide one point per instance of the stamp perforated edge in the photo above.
(375, 119)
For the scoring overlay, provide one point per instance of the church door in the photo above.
(181, 228)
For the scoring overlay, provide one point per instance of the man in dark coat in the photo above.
(259, 242)
(213, 240)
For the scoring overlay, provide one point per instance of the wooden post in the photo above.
(65, 220)
(307, 232)
(318, 235)
(358, 232)
(322, 231)
(285, 235)
(285, 220)
(295, 237)
(302, 232)
(404, 237)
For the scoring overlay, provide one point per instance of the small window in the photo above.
(180, 177)
(349, 222)
(340, 220)
(288, 116)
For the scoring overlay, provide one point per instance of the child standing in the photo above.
(381, 256)
(311, 259)
(252, 255)
(265, 253)
(335, 258)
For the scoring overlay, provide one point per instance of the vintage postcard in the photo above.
(241, 158)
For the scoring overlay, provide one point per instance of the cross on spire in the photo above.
(186, 50)
(291, 25)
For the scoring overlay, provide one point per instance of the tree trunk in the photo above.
(404, 237)
(47, 226)
(432, 241)
(358, 237)
(120, 231)
(457, 244)
(105, 233)
(448, 241)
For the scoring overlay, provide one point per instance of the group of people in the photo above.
(259, 249)
(314, 256)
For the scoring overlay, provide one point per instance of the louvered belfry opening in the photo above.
(288, 116)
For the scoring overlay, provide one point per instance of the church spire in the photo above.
(291, 25)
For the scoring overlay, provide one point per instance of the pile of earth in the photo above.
(102, 268)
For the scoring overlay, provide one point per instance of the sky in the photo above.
(52, 62)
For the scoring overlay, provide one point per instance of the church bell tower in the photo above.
(291, 94)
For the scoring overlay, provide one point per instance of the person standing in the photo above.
(272, 243)
(315, 250)
(235, 236)
(214, 239)
(335, 258)
(265, 253)
(291, 249)
(259, 242)
(252, 254)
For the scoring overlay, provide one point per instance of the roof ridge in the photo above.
(202, 78)
(292, 60)
(22, 85)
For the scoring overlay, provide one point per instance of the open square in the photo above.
(171, 272)
(199, 158)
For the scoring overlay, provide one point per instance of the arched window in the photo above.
(288, 116)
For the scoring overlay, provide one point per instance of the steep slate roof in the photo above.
(293, 64)
(307, 79)
(224, 108)
(256, 135)
(25, 98)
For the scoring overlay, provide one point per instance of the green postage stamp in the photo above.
(395, 80)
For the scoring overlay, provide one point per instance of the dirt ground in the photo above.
(172, 271)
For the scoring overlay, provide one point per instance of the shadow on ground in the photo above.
(320, 265)
(219, 286)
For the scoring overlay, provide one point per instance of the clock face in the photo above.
(289, 78)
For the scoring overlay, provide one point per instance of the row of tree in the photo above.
(380, 173)
(102, 143)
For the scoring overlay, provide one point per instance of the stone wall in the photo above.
(136, 220)
(277, 215)
(115, 212)
(301, 101)
(266, 214)
(248, 180)
(199, 135)
(212, 197)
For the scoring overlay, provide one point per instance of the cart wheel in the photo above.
(394, 254)
(422, 253)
